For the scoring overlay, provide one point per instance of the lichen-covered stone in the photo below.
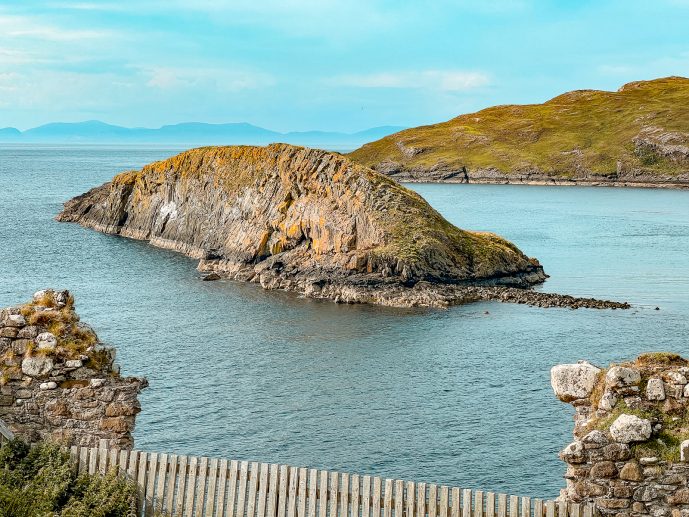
(622, 376)
(38, 366)
(46, 341)
(655, 389)
(573, 381)
(631, 471)
(630, 428)
(603, 469)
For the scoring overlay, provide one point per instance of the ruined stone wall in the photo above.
(57, 381)
(630, 454)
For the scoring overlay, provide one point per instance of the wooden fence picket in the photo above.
(490, 504)
(466, 503)
(272, 491)
(312, 492)
(502, 505)
(253, 490)
(478, 503)
(323, 494)
(455, 507)
(355, 502)
(399, 498)
(262, 490)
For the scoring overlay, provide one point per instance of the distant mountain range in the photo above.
(196, 133)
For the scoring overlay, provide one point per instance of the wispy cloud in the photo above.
(228, 80)
(15, 26)
(443, 80)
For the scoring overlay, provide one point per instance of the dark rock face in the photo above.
(58, 382)
(303, 220)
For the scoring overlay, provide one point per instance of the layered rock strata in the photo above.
(58, 381)
(303, 220)
(630, 454)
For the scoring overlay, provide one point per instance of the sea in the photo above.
(457, 396)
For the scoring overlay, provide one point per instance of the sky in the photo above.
(341, 65)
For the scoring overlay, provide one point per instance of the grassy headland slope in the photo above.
(638, 135)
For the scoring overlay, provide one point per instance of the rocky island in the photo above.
(636, 136)
(313, 222)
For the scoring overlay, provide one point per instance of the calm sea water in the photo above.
(458, 396)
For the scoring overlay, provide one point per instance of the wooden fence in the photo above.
(192, 486)
(5, 433)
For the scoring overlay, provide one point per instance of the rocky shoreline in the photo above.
(499, 178)
(421, 294)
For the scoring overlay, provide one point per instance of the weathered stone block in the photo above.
(37, 366)
(681, 496)
(595, 440)
(118, 424)
(574, 453)
(631, 471)
(630, 428)
(603, 469)
(655, 389)
(622, 377)
(612, 503)
(573, 381)
(645, 493)
(46, 341)
(28, 332)
(15, 320)
(10, 332)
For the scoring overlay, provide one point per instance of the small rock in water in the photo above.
(657, 308)
(212, 276)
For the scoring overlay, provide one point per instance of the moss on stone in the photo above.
(661, 359)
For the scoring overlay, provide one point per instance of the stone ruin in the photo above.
(58, 381)
(630, 454)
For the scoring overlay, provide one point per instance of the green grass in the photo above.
(41, 480)
(581, 130)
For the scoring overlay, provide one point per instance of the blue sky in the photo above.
(320, 64)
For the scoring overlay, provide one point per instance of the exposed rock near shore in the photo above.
(58, 382)
(637, 136)
(308, 221)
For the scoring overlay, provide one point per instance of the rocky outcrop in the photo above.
(58, 381)
(630, 454)
(637, 136)
(304, 220)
